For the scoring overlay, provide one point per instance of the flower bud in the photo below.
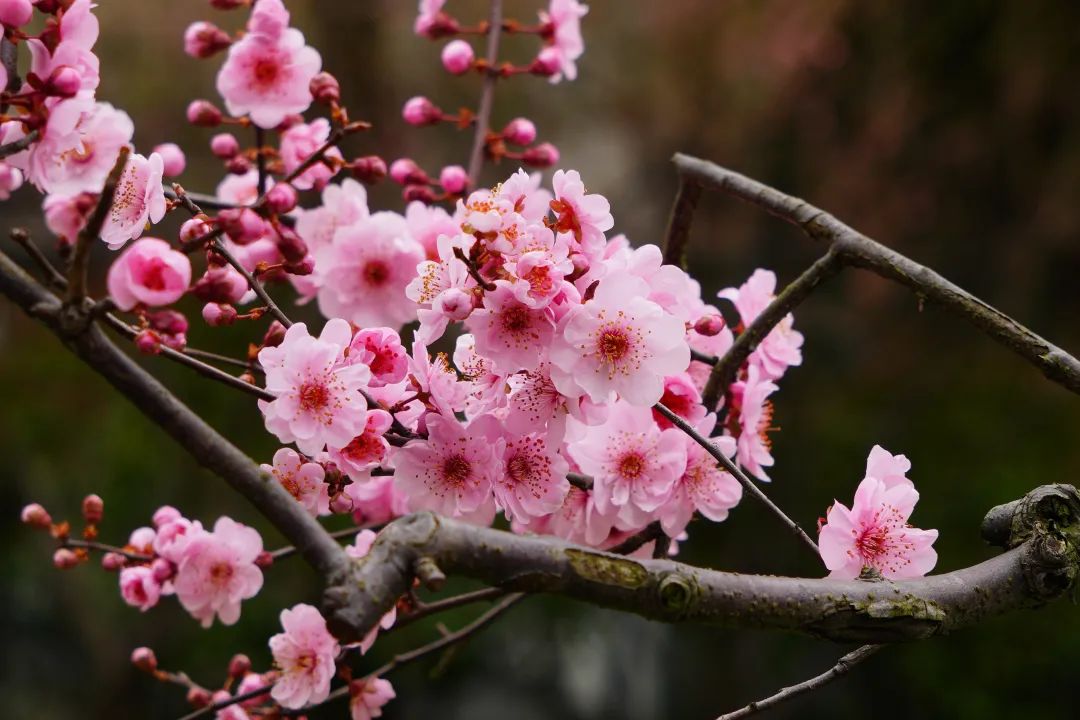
(205, 39)
(144, 659)
(421, 193)
(93, 508)
(15, 13)
(281, 198)
(162, 569)
(35, 515)
(543, 155)
(303, 267)
(192, 230)
(264, 559)
(218, 314)
(224, 146)
(292, 247)
(113, 561)
(239, 666)
(370, 169)
(64, 559)
(64, 82)
(406, 172)
(165, 514)
(275, 335)
(228, 4)
(454, 303)
(148, 342)
(325, 88)
(454, 179)
(238, 165)
(173, 158)
(457, 57)
(709, 325)
(203, 113)
(420, 111)
(547, 63)
(243, 225)
(519, 131)
(199, 697)
(341, 504)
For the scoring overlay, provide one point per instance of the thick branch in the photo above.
(73, 325)
(857, 250)
(682, 214)
(1040, 568)
(487, 94)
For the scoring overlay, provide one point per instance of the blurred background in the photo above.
(948, 130)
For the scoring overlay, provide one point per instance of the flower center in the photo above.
(220, 573)
(519, 468)
(765, 425)
(363, 448)
(265, 72)
(516, 319)
(313, 396)
(612, 345)
(872, 542)
(540, 280)
(631, 465)
(376, 272)
(154, 275)
(456, 470)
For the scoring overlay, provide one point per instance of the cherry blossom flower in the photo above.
(426, 223)
(586, 217)
(78, 147)
(78, 31)
(682, 398)
(618, 342)
(299, 143)
(306, 654)
(268, 72)
(381, 350)
(365, 270)
(451, 472)
(217, 570)
(631, 460)
(579, 520)
(11, 179)
(533, 481)
(318, 399)
(888, 468)
(139, 587)
(781, 348)
(755, 422)
(875, 533)
(428, 15)
(508, 331)
(139, 198)
(367, 450)
(703, 487)
(342, 204)
(368, 696)
(564, 16)
(149, 272)
(303, 480)
(377, 500)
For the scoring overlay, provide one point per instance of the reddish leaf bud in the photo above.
(35, 515)
(418, 192)
(218, 314)
(292, 247)
(275, 335)
(543, 155)
(93, 508)
(238, 165)
(65, 559)
(325, 89)
(148, 342)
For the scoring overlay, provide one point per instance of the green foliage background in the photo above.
(949, 130)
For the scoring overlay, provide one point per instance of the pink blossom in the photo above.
(451, 472)
(426, 223)
(429, 12)
(534, 480)
(239, 189)
(367, 450)
(377, 500)
(268, 72)
(368, 696)
(173, 158)
(580, 519)
(65, 215)
(306, 653)
(755, 422)
(149, 272)
(437, 380)
(508, 331)
(565, 18)
(173, 537)
(318, 400)
(15, 13)
(381, 350)
(299, 143)
(782, 347)
(365, 270)
(78, 32)
(217, 570)
(11, 179)
(139, 198)
(139, 588)
(875, 533)
(618, 342)
(682, 398)
(303, 480)
(632, 461)
(703, 487)
(342, 205)
(888, 468)
(78, 146)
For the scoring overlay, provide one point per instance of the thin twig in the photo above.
(81, 258)
(582, 482)
(487, 94)
(749, 485)
(223, 359)
(455, 601)
(652, 531)
(253, 283)
(214, 707)
(19, 145)
(260, 159)
(102, 547)
(725, 370)
(682, 213)
(843, 665)
(52, 276)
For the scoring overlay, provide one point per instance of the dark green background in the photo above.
(948, 130)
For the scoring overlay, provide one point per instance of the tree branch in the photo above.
(682, 212)
(487, 95)
(19, 145)
(857, 250)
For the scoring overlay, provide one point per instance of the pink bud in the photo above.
(454, 303)
(228, 4)
(420, 111)
(63, 82)
(173, 157)
(547, 63)
(224, 146)
(264, 559)
(165, 514)
(325, 88)
(519, 131)
(144, 659)
(289, 121)
(93, 508)
(406, 172)
(709, 325)
(35, 515)
(203, 113)
(170, 322)
(113, 561)
(204, 39)
(303, 267)
(292, 247)
(15, 13)
(238, 165)
(239, 666)
(341, 504)
(281, 198)
(199, 697)
(64, 559)
(148, 342)
(275, 335)
(243, 225)
(163, 569)
(370, 169)
(218, 314)
(421, 193)
(457, 57)
(454, 179)
(192, 230)
(543, 155)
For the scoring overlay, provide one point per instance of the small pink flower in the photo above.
(303, 480)
(268, 72)
(217, 570)
(509, 332)
(149, 272)
(565, 18)
(364, 272)
(579, 519)
(65, 215)
(782, 347)
(587, 217)
(377, 500)
(368, 696)
(307, 654)
(11, 179)
(381, 350)
(139, 198)
(342, 205)
(451, 472)
(618, 342)
(426, 223)
(139, 588)
(703, 487)
(755, 422)
(875, 533)
(173, 536)
(365, 451)
(428, 16)
(632, 461)
(77, 34)
(888, 468)
(78, 146)
(682, 398)
(300, 142)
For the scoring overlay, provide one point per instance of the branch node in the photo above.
(429, 573)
